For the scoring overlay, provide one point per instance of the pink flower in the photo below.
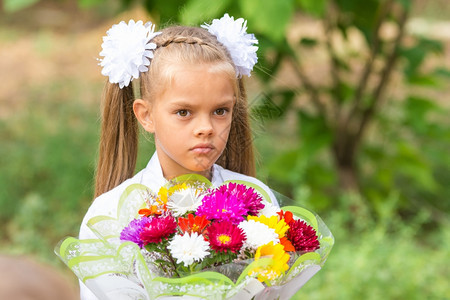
(252, 200)
(223, 204)
(225, 236)
(157, 229)
(302, 236)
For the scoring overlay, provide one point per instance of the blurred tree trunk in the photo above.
(349, 122)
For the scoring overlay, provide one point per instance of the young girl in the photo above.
(192, 99)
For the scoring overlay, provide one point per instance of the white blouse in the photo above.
(152, 177)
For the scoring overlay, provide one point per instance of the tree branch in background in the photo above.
(384, 13)
(330, 22)
(385, 75)
(346, 142)
(309, 87)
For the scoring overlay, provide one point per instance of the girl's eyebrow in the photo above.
(226, 102)
(186, 104)
(181, 104)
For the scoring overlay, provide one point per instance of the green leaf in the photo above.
(199, 11)
(308, 42)
(268, 17)
(346, 92)
(267, 107)
(416, 54)
(270, 56)
(442, 72)
(313, 7)
(85, 4)
(411, 164)
(320, 175)
(359, 14)
(168, 10)
(163, 262)
(126, 4)
(11, 6)
(283, 165)
(314, 132)
(417, 108)
(423, 80)
(429, 45)
(406, 4)
(152, 247)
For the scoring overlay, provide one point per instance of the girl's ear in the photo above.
(143, 112)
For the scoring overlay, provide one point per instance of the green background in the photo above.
(369, 156)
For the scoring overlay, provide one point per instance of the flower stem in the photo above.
(171, 260)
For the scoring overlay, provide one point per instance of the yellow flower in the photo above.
(164, 193)
(178, 187)
(277, 266)
(280, 226)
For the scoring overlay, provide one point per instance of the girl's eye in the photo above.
(183, 113)
(221, 111)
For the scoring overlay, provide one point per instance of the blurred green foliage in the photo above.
(47, 163)
(47, 166)
(383, 260)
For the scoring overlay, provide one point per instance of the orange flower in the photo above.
(288, 247)
(153, 210)
(193, 224)
(286, 215)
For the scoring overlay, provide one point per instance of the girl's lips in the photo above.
(202, 148)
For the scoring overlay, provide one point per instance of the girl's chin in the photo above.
(201, 165)
(205, 172)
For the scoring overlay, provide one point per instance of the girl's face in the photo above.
(191, 119)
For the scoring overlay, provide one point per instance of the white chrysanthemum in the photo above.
(184, 200)
(188, 248)
(258, 234)
(127, 51)
(233, 35)
(268, 210)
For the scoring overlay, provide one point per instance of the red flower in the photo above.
(193, 224)
(225, 236)
(157, 229)
(303, 236)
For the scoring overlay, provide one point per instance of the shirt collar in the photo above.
(153, 177)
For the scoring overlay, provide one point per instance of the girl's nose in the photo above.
(204, 127)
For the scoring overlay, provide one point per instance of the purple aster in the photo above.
(133, 231)
(222, 204)
(252, 200)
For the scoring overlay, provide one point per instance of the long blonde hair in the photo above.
(119, 132)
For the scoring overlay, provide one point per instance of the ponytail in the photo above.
(118, 139)
(238, 155)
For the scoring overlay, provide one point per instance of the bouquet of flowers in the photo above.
(190, 240)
